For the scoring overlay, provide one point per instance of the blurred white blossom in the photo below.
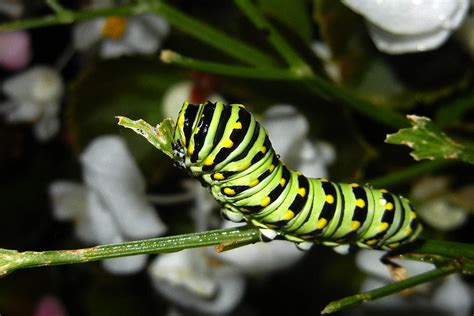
(288, 130)
(34, 96)
(12, 8)
(111, 206)
(15, 50)
(117, 35)
(406, 26)
(323, 52)
(193, 280)
(437, 206)
(449, 296)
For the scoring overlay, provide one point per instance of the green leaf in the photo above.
(293, 14)
(429, 142)
(161, 137)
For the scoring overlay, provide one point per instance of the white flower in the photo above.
(193, 280)
(447, 296)
(288, 130)
(112, 206)
(12, 8)
(34, 96)
(119, 36)
(323, 52)
(405, 26)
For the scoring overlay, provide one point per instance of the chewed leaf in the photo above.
(429, 142)
(160, 136)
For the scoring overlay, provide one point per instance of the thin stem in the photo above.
(211, 36)
(390, 289)
(11, 260)
(171, 57)
(56, 6)
(443, 248)
(404, 175)
(293, 59)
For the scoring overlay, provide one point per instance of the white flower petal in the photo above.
(125, 265)
(441, 214)
(68, 199)
(181, 278)
(86, 34)
(110, 170)
(46, 127)
(287, 129)
(399, 44)
(411, 16)
(20, 111)
(40, 85)
(102, 223)
(315, 159)
(156, 23)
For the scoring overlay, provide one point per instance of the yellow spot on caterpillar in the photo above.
(412, 215)
(383, 191)
(190, 150)
(265, 201)
(408, 230)
(228, 143)
(383, 227)
(371, 242)
(209, 161)
(229, 191)
(354, 185)
(360, 203)
(394, 245)
(238, 125)
(183, 140)
(244, 165)
(263, 149)
(389, 206)
(114, 27)
(196, 130)
(302, 192)
(282, 182)
(355, 225)
(271, 168)
(329, 199)
(253, 183)
(323, 180)
(322, 223)
(218, 176)
(299, 173)
(288, 215)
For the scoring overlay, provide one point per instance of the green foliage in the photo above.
(429, 142)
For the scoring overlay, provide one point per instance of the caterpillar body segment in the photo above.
(230, 153)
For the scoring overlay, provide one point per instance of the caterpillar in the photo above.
(230, 153)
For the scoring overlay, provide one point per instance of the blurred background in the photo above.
(73, 178)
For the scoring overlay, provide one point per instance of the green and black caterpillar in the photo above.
(225, 148)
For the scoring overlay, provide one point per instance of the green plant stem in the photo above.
(171, 57)
(390, 289)
(11, 260)
(443, 248)
(406, 174)
(296, 63)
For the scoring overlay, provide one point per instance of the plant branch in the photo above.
(296, 63)
(391, 289)
(171, 57)
(11, 260)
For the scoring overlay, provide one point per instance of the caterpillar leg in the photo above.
(232, 216)
(267, 234)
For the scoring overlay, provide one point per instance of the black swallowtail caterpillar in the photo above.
(225, 148)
